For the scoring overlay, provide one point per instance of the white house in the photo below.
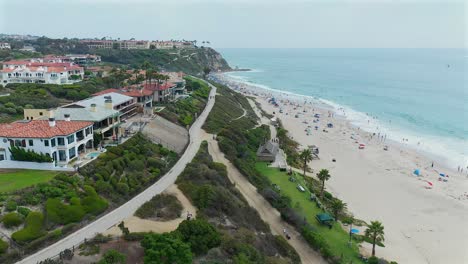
(60, 140)
(40, 72)
(5, 45)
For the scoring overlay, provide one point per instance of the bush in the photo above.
(92, 203)
(21, 154)
(61, 213)
(112, 256)
(373, 260)
(23, 210)
(11, 205)
(12, 219)
(3, 246)
(165, 249)
(199, 234)
(162, 206)
(32, 230)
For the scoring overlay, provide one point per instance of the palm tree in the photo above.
(146, 66)
(375, 232)
(306, 157)
(337, 207)
(323, 176)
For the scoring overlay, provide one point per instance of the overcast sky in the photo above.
(253, 23)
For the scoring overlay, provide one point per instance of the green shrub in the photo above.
(92, 203)
(23, 210)
(11, 205)
(32, 229)
(22, 154)
(373, 260)
(12, 219)
(161, 206)
(3, 246)
(199, 234)
(61, 213)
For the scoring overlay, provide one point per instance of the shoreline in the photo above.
(421, 224)
(425, 145)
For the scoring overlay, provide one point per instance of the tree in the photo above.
(165, 249)
(375, 232)
(306, 157)
(199, 234)
(337, 207)
(323, 176)
(206, 71)
(112, 256)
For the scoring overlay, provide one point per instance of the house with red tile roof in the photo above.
(61, 140)
(38, 71)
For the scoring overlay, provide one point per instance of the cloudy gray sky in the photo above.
(243, 23)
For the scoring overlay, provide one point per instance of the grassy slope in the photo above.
(336, 237)
(18, 179)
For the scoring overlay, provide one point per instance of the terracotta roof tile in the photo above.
(41, 128)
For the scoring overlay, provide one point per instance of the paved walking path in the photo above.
(268, 214)
(127, 209)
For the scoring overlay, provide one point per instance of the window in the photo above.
(52, 142)
(71, 153)
(40, 113)
(62, 155)
(2, 157)
(61, 141)
(71, 139)
(31, 142)
(46, 142)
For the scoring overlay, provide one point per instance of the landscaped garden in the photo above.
(50, 208)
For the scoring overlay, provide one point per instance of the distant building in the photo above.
(4, 45)
(28, 48)
(116, 44)
(60, 140)
(31, 71)
(268, 151)
(80, 59)
(137, 44)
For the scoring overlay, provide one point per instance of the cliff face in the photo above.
(191, 61)
(212, 59)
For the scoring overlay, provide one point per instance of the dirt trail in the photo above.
(268, 214)
(136, 224)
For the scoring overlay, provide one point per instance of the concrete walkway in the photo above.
(268, 214)
(126, 210)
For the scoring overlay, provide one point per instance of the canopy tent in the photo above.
(324, 218)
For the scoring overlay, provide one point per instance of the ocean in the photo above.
(417, 94)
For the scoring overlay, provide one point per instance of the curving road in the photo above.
(127, 209)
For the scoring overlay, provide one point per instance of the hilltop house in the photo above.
(33, 71)
(60, 140)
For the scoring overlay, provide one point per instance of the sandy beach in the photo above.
(424, 223)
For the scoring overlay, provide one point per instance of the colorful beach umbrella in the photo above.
(417, 172)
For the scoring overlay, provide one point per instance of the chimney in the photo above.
(67, 117)
(108, 103)
(93, 108)
(51, 121)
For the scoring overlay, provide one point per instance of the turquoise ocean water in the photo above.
(419, 94)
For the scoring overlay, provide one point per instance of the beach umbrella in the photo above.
(442, 175)
(416, 172)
